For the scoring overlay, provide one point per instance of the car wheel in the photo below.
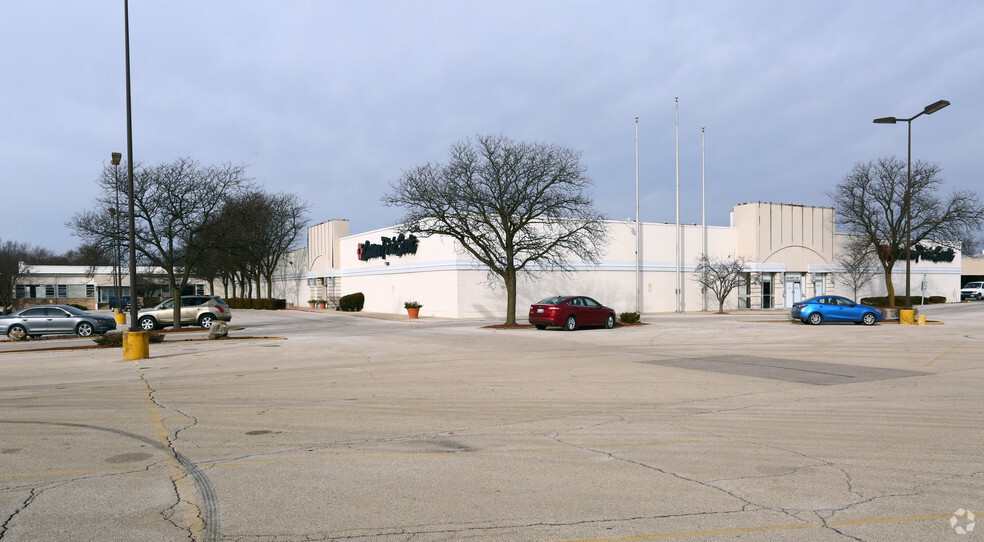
(815, 318)
(84, 329)
(571, 323)
(206, 320)
(147, 323)
(16, 328)
(868, 319)
(541, 326)
(610, 321)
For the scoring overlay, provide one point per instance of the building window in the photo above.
(19, 291)
(62, 290)
(745, 291)
(90, 290)
(200, 289)
(49, 290)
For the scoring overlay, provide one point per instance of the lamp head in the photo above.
(116, 158)
(934, 107)
(886, 120)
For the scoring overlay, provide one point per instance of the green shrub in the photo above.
(882, 301)
(629, 317)
(352, 302)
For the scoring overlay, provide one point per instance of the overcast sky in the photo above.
(331, 100)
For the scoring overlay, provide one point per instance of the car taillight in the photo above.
(799, 305)
(220, 308)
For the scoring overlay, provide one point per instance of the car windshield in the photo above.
(974, 285)
(551, 300)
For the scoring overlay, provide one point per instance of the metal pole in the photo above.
(679, 293)
(703, 211)
(638, 263)
(908, 221)
(129, 172)
(117, 264)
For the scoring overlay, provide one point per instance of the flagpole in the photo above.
(679, 286)
(638, 263)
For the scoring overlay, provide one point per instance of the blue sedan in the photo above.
(833, 308)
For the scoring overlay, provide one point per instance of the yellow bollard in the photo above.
(907, 317)
(921, 320)
(120, 317)
(136, 345)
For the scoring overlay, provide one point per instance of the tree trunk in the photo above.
(510, 280)
(889, 286)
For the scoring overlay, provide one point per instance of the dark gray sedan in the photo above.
(55, 320)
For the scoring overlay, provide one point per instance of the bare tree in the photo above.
(264, 228)
(12, 253)
(719, 276)
(870, 202)
(859, 262)
(972, 244)
(174, 203)
(516, 207)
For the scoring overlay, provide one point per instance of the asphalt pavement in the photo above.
(317, 425)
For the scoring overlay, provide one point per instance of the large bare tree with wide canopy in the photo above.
(516, 207)
(870, 202)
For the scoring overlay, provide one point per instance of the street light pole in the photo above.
(928, 110)
(129, 172)
(117, 278)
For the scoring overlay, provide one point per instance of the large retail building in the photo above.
(791, 250)
(791, 253)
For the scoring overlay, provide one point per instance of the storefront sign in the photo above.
(391, 246)
(935, 254)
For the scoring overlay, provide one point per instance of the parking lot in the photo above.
(325, 426)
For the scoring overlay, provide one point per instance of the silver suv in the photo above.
(195, 309)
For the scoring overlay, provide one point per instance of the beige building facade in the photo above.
(791, 253)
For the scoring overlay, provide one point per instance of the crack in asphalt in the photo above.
(206, 512)
(23, 506)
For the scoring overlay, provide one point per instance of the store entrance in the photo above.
(794, 289)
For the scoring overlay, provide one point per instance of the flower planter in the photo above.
(413, 312)
(322, 305)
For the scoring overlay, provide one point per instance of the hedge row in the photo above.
(900, 300)
(260, 304)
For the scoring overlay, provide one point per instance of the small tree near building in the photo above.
(860, 265)
(719, 276)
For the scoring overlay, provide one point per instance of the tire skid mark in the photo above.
(182, 468)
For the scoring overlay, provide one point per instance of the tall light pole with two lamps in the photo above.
(928, 110)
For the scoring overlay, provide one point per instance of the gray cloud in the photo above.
(331, 100)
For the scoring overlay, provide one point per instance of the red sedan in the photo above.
(571, 312)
